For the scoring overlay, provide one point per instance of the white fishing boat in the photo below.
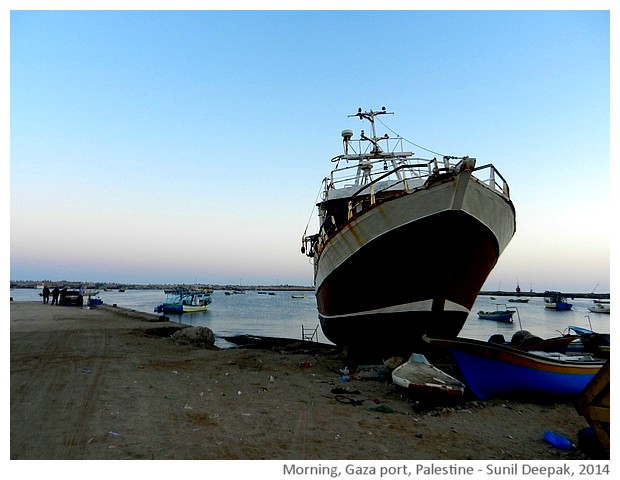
(418, 376)
(600, 306)
(404, 244)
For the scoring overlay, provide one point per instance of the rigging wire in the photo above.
(409, 141)
(312, 211)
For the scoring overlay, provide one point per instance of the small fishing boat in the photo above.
(499, 314)
(600, 307)
(589, 341)
(492, 370)
(297, 296)
(556, 301)
(518, 300)
(185, 301)
(418, 376)
(524, 340)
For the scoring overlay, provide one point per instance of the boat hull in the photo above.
(175, 308)
(491, 370)
(498, 317)
(559, 306)
(600, 309)
(423, 379)
(369, 300)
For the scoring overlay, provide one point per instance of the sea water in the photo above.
(281, 315)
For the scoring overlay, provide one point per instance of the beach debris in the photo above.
(305, 364)
(345, 374)
(393, 362)
(558, 440)
(349, 400)
(112, 434)
(382, 408)
(342, 390)
(379, 373)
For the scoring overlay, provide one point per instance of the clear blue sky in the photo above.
(166, 146)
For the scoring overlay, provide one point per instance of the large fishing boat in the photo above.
(404, 243)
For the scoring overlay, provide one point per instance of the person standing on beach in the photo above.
(55, 294)
(63, 296)
(46, 294)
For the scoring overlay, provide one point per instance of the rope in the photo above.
(312, 211)
(408, 141)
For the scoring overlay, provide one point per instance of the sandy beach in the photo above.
(90, 384)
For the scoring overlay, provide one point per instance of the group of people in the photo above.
(58, 295)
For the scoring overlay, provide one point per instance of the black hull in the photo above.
(386, 304)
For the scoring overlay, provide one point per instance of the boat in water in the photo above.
(404, 244)
(518, 300)
(493, 370)
(499, 314)
(556, 301)
(600, 306)
(185, 301)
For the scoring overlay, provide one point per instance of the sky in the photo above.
(165, 146)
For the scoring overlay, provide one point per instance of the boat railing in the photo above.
(495, 180)
(405, 177)
(349, 176)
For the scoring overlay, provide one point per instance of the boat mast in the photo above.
(365, 165)
(370, 116)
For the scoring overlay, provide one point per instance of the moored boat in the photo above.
(556, 301)
(600, 307)
(499, 314)
(492, 370)
(185, 301)
(390, 264)
(519, 300)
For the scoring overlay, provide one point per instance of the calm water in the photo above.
(281, 315)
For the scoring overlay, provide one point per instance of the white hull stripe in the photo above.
(421, 306)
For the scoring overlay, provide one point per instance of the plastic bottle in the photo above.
(558, 440)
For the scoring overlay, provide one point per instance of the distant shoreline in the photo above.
(281, 288)
(35, 284)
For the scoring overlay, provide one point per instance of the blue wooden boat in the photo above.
(185, 301)
(524, 340)
(556, 301)
(590, 341)
(492, 370)
(499, 314)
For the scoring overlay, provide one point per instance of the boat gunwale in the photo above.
(520, 358)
